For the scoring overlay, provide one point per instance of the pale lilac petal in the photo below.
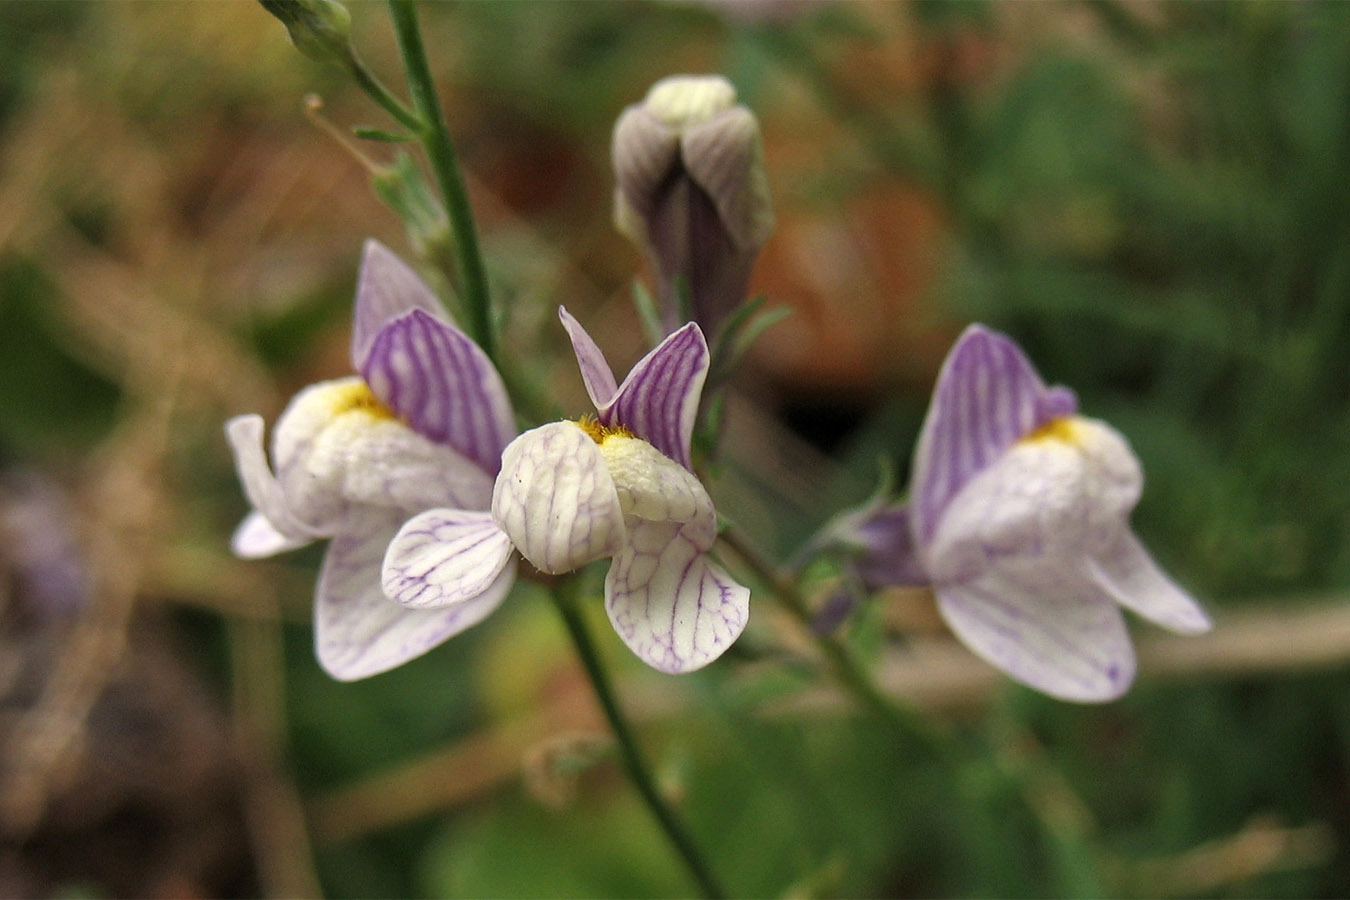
(644, 151)
(256, 538)
(673, 608)
(555, 499)
(988, 396)
(442, 384)
(888, 557)
(1063, 496)
(722, 155)
(1047, 625)
(595, 372)
(443, 557)
(382, 462)
(1128, 573)
(658, 401)
(245, 434)
(358, 631)
(386, 288)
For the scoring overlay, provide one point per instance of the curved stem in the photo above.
(435, 136)
(623, 733)
(847, 668)
(382, 95)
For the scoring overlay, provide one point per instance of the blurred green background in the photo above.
(1153, 198)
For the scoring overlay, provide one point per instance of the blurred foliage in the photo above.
(1151, 197)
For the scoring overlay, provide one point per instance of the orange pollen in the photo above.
(598, 432)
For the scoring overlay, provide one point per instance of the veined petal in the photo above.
(673, 608)
(442, 384)
(988, 396)
(358, 631)
(386, 288)
(1048, 626)
(1127, 572)
(257, 538)
(644, 151)
(722, 155)
(1063, 494)
(245, 434)
(381, 462)
(658, 401)
(443, 557)
(653, 487)
(595, 372)
(555, 499)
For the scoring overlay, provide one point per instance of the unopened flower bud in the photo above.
(320, 29)
(692, 192)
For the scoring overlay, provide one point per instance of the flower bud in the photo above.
(320, 29)
(692, 193)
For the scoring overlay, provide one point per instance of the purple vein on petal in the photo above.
(658, 401)
(988, 396)
(442, 384)
(386, 288)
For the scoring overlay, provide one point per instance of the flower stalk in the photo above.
(847, 669)
(634, 762)
(432, 131)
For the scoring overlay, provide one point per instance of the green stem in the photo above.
(847, 668)
(435, 136)
(623, 733)
(381, 95)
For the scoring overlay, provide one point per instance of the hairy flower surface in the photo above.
(352, 459)
(618, 485)
(692, 192)
(1019, 518)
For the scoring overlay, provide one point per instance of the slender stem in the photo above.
(382, 95)
(435, 137)
(847, 668)
(623, 733)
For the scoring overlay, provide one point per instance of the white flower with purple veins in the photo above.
(1019, 518)
(616, 486)
(353, 459)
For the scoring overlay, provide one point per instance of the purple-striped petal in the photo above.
(673, 608)
(257, 538)
(245, 434)
(358, 631)
(386, 288)
(1048, 626)
(645, 150)
(1128, 573)
(595, 372)
(443, 557)
(988, 396)
(555, 499)
(442, 384)
(722, 155)
(658, 401)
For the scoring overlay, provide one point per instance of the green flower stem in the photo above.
(381, 95)
(435, 137)
(847, 668)
(623, 733)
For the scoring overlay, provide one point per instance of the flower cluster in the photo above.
(411, 469)
(1017, 517)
